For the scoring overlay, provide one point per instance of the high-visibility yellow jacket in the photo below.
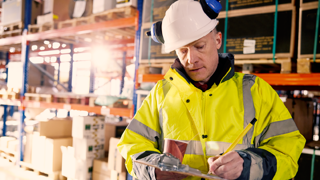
(211, 121)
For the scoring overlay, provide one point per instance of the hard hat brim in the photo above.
(196, 35)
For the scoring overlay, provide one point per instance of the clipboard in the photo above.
(170, 163)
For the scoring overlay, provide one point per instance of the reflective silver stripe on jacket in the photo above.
(275, 129)
(145, 131)
(256, 168)
(249, 111)
(214, 148)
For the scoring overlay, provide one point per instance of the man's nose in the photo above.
(192, 56)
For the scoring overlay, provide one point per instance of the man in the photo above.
(203, 101)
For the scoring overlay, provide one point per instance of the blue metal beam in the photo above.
(59, 62)
(7, 62)
(24, 60)
(137, 51)
(5, 107)
(92, 77)
(5, 115)
(71, 69)
(123, 71)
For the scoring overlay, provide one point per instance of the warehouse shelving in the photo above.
(63, 35)
(274, 79)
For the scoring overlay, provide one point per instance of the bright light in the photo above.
(65, 57)
(305, 92)
(52, 52)
(49, 45)
(63, 45)
(34, 47)
(64, 51)
(12, 49)
(55, 45)
(42, 48)
(46, 42)
(100, 55)
(47, 59)
(79, 49)
(82, 56)
(88, 39)
(53, 59)
(36, 60)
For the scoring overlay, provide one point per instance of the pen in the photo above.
(244, 132)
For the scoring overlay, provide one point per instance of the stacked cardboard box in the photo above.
(102, 5)
(116, 163)
(13, 11)
(46, 142)
(88, 144)
(113, 130)
(35, 77)
(54, 11)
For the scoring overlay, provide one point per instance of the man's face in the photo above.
(200, 58)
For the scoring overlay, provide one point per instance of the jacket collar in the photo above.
(224, 72)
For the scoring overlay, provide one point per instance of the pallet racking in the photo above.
(70, 35)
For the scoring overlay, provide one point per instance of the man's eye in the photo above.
(183, 51)
(200, 47)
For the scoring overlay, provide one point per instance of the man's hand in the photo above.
(163, 175)
(228, 166)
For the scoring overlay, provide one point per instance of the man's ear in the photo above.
(218, 39)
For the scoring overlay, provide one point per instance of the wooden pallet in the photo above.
(263, 66)
(13, 26)
(50, 175)
(9, 157)
(75, 22)
(117, 13)
(36, 28)
(13, 33)
(71, 99)
(38, 97)
(9, 95)
(308, 66)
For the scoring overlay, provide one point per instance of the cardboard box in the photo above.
(81, 8)
(38, 151)
(53, 154)
(118, 175)
(99, 176)
(55, 128)
(100, 166)
(302, 114)
(35, 77)
(87, 148)
(307, 31)
(14, 145)
(102, 5)
(84, 169)
(13, 11)
(4, 141)
(113, 130)
(54, 11)
(68, 162)
(27, 156)
(122, 3)
(86, 126)
(116, 161)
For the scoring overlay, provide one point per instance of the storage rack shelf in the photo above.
(275, 79)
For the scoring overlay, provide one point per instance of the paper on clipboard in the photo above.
(168, 163)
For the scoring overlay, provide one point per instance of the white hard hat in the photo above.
(185, 22)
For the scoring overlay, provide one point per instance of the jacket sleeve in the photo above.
(140, 139)
(277, 141)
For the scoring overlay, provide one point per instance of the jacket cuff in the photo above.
(258, 164)
(143, 171)
(245, 174)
